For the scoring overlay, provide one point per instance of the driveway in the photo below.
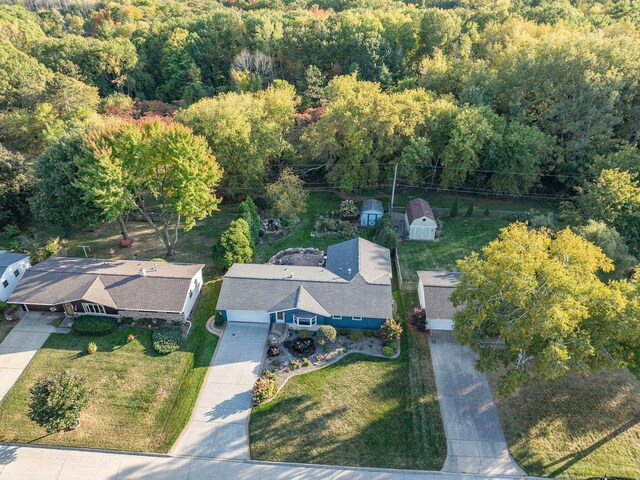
(475, 441)
(219, 424)
(22, 343)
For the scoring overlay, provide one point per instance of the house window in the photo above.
(5, 283)
(93, 308)
(356, 319)
(280, 316)
(336, 317)
(196, 283)
(190, 293)
(305, 321)
(16, 272)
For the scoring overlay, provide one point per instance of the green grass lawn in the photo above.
(456, 241)
(5, 328)
(577, 427)
(141, 400)
(360, 411)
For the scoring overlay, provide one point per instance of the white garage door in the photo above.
(247, 316)
(440, 324)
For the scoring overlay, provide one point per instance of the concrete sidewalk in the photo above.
(475, 441)
(22, 343)
(219, 424)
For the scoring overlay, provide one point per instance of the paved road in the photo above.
(37, 463)
(475, 441)
(22, 343)
(219, 423)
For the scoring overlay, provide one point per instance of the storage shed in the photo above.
(372, 211)
(419, 220)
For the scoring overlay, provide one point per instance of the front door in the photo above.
(68, 309)
(372, 219)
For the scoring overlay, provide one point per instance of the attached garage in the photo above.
(419, 220)
(247, 316)
(434, 290)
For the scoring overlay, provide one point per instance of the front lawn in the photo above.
(458, 239)
(361, 411)
(141, 400)
(577, 427)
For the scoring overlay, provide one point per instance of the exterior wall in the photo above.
(423, 304)
(344, 322)
(196, 288)
(422, 229)
(439, 324)
(9, 276)
(171, 317)
(365, 217)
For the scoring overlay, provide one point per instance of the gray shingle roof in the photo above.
(438, 287)
(114, 283)
(366, 291)
(9, 258)
(418, 208)
(372, 205)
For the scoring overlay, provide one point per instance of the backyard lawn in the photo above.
(141, 400)
(458, 239)
(577, 427)
(360, 411)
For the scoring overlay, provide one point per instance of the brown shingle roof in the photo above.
(418, 208)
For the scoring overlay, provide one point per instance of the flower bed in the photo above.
(330, 223)
(286, 364)
(298, 256)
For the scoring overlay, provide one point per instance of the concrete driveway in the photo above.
(219, 424)
(22, 343)
(475, 441)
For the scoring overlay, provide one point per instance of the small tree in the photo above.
(387, 238)
(453, 213)
(390, 330)
(469, 210)
(348, 210)
(326, 334)
(418, 316)
(288, 196)
(235, 244)
(56, 401)
(249, 212)
(487, 212)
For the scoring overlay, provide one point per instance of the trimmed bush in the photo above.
(369, 333)
(326, 334)
(344, 332)
(390, 331)
(219, 320)
(453, 213)
(469, 211)
(304, 334)
(167, 340)
(264, 389)
(92, 348)
(388, 351)
(88, 325)
(418, 317)
(355, 335)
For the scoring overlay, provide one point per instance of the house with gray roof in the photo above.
(352, 290)
(123, 288)
(434, 290)
(12, 265)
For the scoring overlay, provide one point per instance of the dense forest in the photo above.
(520, 97)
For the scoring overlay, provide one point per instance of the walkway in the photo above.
(22, 343)
(219, 423)
(475, 441)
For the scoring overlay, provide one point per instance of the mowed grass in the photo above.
(458, 239)
(141, 400)
(577, 427)
(360, 411)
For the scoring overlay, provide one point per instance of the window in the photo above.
(356, 319)
(336, 317)
(5, 283)
(93, 308)
(16, 272)
(190, 293)
(196, 283)
(280, 316)
(305, 321)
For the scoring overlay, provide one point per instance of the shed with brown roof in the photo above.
(420, 222)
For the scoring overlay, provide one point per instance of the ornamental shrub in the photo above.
(355, 335)
(264, 389)
(249, 212)
(56, 401)
(219, 319)
(326, 334)
(92, 348)
(94, 325)
(418, 317)
(349, 210)
(304, 334)
(387, 351)
(344, 332)
(390, 330)
(235, 245)
(386, 237)
(469, 210)
(167, 340)
(453, 213)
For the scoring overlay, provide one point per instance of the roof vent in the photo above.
(142, 272)
(155, 267)
(291, 275)
(348, 271)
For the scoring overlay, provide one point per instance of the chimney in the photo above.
(142, 272)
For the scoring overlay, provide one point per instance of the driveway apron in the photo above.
(475, 440)
(22, 343)
(219, 423)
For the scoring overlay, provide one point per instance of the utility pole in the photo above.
(393, 189)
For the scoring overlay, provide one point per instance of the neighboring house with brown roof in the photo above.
(419, 220)
(434, 290)
(125, 288)
(353, 290)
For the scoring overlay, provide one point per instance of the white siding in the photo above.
(10, 277)
(422, 228)
(248, 316)
(190, 302)
(421, 293)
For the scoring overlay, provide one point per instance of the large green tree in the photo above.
(288, 197)
(235, 244)
(15, 188)
(159, 169)
(534, 305)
